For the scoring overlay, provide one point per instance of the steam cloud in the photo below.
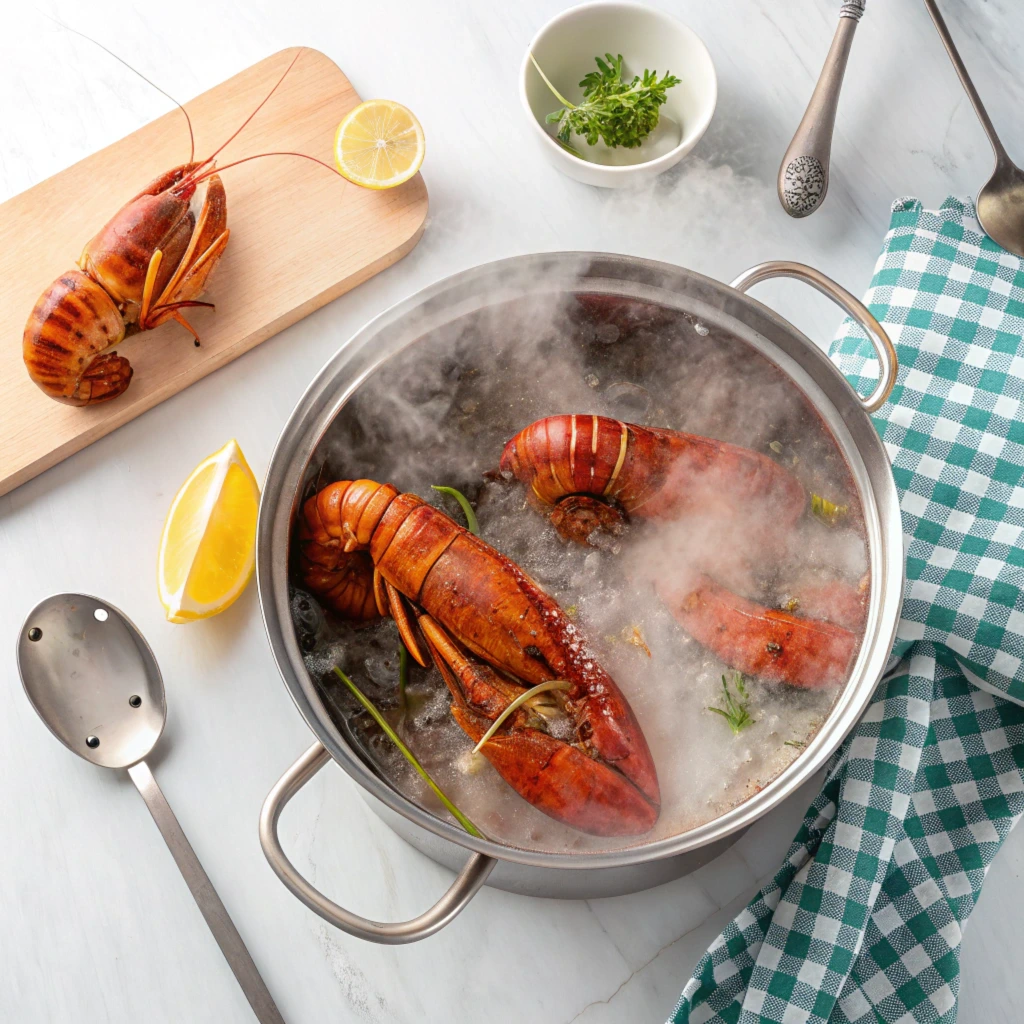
(441, 412)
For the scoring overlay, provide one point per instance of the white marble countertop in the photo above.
(97, 924)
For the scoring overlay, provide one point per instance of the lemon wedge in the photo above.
(379, 144)
(208, 546)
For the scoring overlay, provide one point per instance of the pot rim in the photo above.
(810, 370)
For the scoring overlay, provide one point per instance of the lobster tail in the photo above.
(342, 578)
(565, 455)
(67, 341)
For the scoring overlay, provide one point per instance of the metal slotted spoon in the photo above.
(1001, 200)
(92, 678)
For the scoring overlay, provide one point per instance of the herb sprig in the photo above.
(735, 710)
(828, 512)
(617, 112)
(525, 697)
(408, 754)
(467, 510)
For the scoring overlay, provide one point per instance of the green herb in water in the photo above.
(408, 754)
(523, 698)
(735, 710)
(830, 514)
(467, 510)
(617, 112)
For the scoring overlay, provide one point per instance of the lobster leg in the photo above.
(380, 594)
(150, 284)
(209, 229)
(556, 777)
(473, 684)
(400, 614)
(205, 248)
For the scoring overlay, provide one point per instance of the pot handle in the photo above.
(469, 881)
(883, 346)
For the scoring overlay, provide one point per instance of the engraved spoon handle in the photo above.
(803, 176)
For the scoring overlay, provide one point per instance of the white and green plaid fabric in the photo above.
(864, 920)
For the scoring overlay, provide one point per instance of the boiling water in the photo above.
(441, 411)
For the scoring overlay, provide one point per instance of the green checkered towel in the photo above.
(864, 920)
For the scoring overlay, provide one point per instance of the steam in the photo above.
(441, 413)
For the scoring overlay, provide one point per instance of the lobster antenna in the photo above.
(195, 179)
(96, 42)
(234, 135)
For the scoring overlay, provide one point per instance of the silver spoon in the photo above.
(1001, 201)
(92, 678)
(803, 175)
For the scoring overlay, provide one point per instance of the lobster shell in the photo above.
(488, 606)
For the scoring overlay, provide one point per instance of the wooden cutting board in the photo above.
(300, 236)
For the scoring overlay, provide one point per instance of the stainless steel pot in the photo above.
(722, 307)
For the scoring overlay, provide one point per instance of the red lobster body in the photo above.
(148, 263)
(473, 599)
(586, 468)
(765, 642)
(651, 472)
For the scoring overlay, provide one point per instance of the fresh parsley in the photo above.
(620, 113)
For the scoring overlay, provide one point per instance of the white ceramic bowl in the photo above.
(647, 39)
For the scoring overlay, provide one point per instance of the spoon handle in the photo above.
(224, 931)
(803, 175)
(965, 80)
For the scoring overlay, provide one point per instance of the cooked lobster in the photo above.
(366, 550)
(150, 262)
(591, 473)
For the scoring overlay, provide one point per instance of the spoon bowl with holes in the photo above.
(94, 681)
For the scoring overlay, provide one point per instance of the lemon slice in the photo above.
(379, 144)
(208, 547)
